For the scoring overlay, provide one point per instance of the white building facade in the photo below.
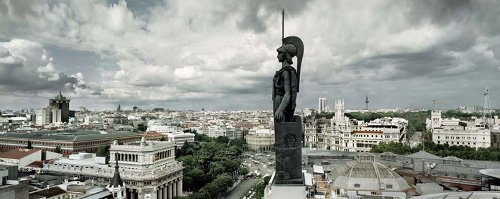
(221, 130)
(162, 129)
(455, 132)
(260, 139)
(48, 115)
(43, 116)
(180, 138)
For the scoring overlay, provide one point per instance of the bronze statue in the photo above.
(287, 126)
(286, 80)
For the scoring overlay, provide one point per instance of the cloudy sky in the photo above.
(221, 54)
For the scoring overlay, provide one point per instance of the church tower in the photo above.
(117, 187)
(339, 109)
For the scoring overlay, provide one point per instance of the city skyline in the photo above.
(221, 55)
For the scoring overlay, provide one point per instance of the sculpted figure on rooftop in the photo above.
(286, 80)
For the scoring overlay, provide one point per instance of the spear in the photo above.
(282, 24)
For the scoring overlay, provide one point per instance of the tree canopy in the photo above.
(210, 164)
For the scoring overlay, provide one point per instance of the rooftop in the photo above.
(68, 135)
(423, 155)
(370, 176)
(47, 193)
(17, 153)
(495, 173)
(458, 195)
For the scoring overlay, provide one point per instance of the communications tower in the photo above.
(486, 108)
(366, 102)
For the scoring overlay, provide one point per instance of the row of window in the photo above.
(164, 154)
(468, 143)
(128, 157)
(376, 136)
(458, 137)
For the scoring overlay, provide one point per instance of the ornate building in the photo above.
(260, 139)
(342, 134)
(148, 169)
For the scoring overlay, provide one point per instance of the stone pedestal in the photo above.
(288, 145)
(288, 191)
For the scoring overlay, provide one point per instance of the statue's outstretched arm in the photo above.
(286, 98)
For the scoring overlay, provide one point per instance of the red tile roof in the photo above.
(35, 164)
(17, 153)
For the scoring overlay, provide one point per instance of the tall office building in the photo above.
(56, 115)
(322, 105)
(60, 102)
(43, 116)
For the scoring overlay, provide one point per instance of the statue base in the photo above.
(288, 191)
(288, 146)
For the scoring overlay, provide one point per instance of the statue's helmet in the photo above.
(289, 49)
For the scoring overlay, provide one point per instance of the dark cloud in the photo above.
(30, 69)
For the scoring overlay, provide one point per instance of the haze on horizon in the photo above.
(221, 55)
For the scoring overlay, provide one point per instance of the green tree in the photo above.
(29, 145)
(244, 171)
(58, 149)
(142, 127)
(261, 186)
(215, 169)
(222, 139)
(213, 189)
(208, 165)
(202, 194)
(202, 138)
(103, 151)
(225, 181)
(240, 143)
(199, 178)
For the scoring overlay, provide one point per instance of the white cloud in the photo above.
(184, 72)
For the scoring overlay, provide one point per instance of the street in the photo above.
(242, 188)
(261, 163)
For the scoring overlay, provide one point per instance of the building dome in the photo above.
(370, 176)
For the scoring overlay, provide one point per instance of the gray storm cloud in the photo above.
(26, 66)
